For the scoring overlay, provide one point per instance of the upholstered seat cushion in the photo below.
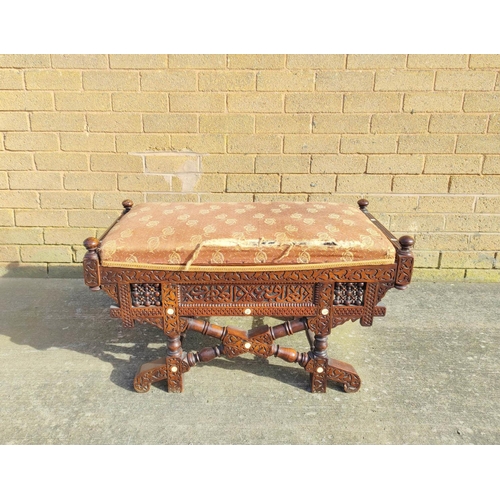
(292, 234)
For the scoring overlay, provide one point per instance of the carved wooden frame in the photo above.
(317, 299)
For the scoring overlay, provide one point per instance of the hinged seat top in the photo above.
(256, 235)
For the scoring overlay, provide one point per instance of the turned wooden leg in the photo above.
(174, 362)
(320, 326)
(322, 368)
(320, 360)
(173, 366)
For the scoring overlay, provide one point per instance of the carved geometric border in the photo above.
(241, 310)
(365, 274)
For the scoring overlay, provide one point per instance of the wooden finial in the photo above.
(406, 243)
(363, 204)
(91, 244)
(127, 205)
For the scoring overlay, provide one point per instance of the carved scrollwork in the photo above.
(349, 380)
(344, 314)
(260, 349)
(323, 369)
(171, 321)
(341, 314)
(405, 268)
(144, 379)
(274, 293)
(320, 323)
(175, 369)
(91, 270)
(183, 325)
(116, 275)
(170, 369)
(351, 274)
(317, 368)
(264, 338)
(205, 294)
(233, 346)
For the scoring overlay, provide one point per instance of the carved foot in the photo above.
(343, 374)
(150, 373)
(171, 370)
(340, 373)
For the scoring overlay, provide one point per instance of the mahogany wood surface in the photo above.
(317, 300)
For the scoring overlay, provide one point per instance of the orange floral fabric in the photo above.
(244, 234)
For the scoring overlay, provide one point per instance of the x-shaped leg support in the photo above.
(258, 341)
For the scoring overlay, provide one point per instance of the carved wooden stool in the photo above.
(321, 264)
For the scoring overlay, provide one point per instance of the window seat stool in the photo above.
(320, 264)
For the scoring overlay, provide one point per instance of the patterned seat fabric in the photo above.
(291, 234)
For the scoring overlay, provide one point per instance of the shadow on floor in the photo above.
(64, 314)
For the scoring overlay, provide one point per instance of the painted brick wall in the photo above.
(418, 135)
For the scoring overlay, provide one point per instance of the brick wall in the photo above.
(418, 135)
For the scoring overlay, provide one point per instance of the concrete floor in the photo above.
(429, 370)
